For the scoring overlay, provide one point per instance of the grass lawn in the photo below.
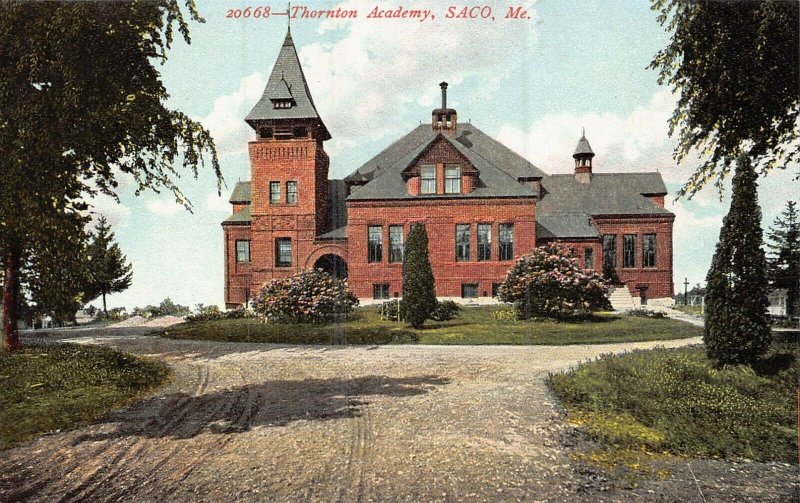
(476, 325)
(675, 401)
(54, 387)
(693, 310)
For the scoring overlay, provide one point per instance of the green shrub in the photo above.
(549, 282)
(646, 313)
(311, 296)
(390, 310)
(446, 310)
(419, 291)
(210, 313)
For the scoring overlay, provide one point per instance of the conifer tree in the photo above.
(784, 258)
(109, 271)
(736, 327)
(419, 293)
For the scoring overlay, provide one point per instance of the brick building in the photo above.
(482, 204)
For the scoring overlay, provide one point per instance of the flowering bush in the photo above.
(549, 282)
(311, 296)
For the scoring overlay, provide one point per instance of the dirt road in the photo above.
(246, 422)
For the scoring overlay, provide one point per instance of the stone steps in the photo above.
(621, 299)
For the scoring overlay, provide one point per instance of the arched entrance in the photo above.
(334, 265)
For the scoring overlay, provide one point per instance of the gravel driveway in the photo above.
(248, 422)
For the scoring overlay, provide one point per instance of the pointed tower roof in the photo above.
(583, 148)
(286, 82)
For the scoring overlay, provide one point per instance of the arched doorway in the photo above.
(334, 265)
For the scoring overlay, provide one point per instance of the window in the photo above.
(462, 242)
(274, 192)
(484, 242)
(300, 132)
(610, 251)
(283, 252)
(374, 243)
(395, 243)
(469, 290)
(452, 179)
(427, 179)
(629, 250)
(242, 250)
(506, 238)
(380, 291)
(649, 250)
(588, 258)
(496, 289)
(265, 132)
(291, 192)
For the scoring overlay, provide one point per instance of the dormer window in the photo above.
(427, 179)
(282, 103)
(452, 179)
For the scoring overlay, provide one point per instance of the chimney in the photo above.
(444, 119)
(583, 160)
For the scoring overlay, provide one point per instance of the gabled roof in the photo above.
(606, 194)
(286, 81)
(499, 167)
(241, 193)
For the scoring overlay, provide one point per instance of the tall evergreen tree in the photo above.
(419, 291)
(784, 257)
(736, 327)
(108, 270)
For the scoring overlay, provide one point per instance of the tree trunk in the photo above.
(11, 298)
(105, 311)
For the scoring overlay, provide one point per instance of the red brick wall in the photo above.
(657, 279)
(440, 218)
(237, 276)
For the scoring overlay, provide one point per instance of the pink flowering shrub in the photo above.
(549, 282)
(311, 296)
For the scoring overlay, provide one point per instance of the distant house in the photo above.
(778, 303)
(483, 206)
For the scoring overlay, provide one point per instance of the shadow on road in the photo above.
(271, 403)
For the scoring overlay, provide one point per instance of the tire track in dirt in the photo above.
(110, 473)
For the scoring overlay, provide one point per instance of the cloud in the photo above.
(368, 80)
(218, 204)
(226, 119)
(117, 214)
(163, 207)
(637, 141)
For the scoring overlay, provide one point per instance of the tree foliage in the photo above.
(419, 289)
(736, 326)
(107, 269)
(549, 282)
(73, 121)
(784, 257)
(735, 68)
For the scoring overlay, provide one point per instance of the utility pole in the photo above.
(685, 291)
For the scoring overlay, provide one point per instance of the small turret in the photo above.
(583, 160)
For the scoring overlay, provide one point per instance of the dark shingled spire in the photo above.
(583, 149)
(286, 82)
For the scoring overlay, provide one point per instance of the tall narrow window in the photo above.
(274, 192)
(462, 242)
(484, 242)
(374, 243)
(427, 179)
(629, 250)
(649, 250)
(452, 179)
(291, 192)
(506, 239)
(283, 252)
(610, 251)
(588, 258)
(395, 243)
(242, 250)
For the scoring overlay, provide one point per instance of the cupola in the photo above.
(444, 119)
(583, 160)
